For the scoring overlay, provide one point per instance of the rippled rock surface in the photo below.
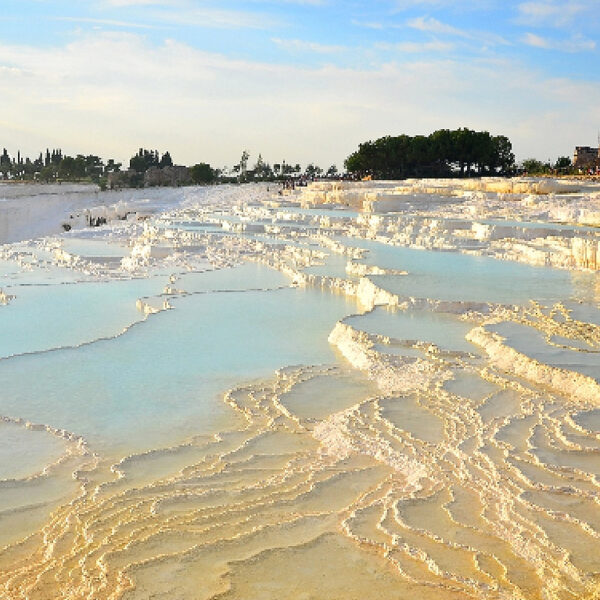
(354, 390)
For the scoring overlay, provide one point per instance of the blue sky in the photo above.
(300, 80)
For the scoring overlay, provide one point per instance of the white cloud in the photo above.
(124, 3)
(368, 24)
(417, 47)
(432, 25)
(550, 12)
(304, 46)
(204, 106)
(308, 2)
(575, 44)
(109, 22)
(462, 6)
(400, 5)
(191, 13)
(537, 41)
(216, 18)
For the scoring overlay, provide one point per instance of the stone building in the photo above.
(124, 179)
(167, 176)
(586, 157)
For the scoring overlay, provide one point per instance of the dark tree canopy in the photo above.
(166, 160)
(202, 173)
(444, 153)
(143, 160)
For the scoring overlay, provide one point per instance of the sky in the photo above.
(294, 80)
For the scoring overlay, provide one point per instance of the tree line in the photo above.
(562, 166)
(444, 153)
(264, 171)
(54, 166)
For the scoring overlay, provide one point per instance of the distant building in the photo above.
(586, 157)
(154, 176)
(167, 176)
(121, 179)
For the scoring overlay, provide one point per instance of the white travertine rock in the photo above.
(384, 202)
(65, 258)
(370, 295)
(338, 439)
(362, 270)
(562, 381)
(393, 374)
(139, 256)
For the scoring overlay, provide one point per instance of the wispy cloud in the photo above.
(550, 12)
(400, 5)
(217, 18)
(306, 2)
(461, 7)
(575, 44)
(427, 24)
(368, 24)
(195, 13)
(124, 3)
(305, 46)
(432, 25)
(417, 47)
(109, 22)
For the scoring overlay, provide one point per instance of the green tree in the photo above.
(202, 173)
(143, 160)
(262, 170)
(67, 168)
(166, 160)
(5, 163)
(286, 169)
(441, 154)
(313, 170)
(94, 167)
(504, 159)
(563, 163)
(532, 166)
(112, 166)
(48, 173)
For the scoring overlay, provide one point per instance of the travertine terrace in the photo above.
(350, 390)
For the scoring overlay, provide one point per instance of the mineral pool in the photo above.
(350, 391)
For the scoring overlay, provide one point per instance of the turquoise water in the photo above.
(25, 452)
(459, 277)
(249, 275)
(531, 342)
(333, 265)
(584, 312)
(92, 247)
(444, 331)
(162, 380)
(41, 317)
(11, 273)
(322, 396)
